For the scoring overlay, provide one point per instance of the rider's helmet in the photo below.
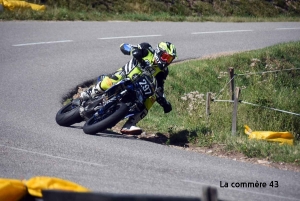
(164, 54)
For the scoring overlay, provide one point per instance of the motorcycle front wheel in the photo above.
(112, 116)
(68, 115)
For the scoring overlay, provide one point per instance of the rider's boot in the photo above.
(87, 95)
(91, 92)
(130, 127)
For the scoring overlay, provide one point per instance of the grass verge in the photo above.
(278, 87)
(64, 14)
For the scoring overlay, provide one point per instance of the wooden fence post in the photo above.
(208, 99)
(234, 112)
(231, 89)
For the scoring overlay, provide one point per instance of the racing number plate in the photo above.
(145, 86)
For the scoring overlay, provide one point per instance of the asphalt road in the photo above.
(41, 61)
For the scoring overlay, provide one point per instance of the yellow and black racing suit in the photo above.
(142, 57)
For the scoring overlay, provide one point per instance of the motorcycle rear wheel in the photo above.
(118, 112)
(68, 115)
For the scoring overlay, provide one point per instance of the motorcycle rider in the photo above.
(155, 61)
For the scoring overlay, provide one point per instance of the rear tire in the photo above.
(68, 115)
(92, 127)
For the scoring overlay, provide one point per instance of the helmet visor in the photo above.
(166, 57)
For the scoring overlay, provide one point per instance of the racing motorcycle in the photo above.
(120, 101)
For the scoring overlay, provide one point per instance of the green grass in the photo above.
(63, 14)
(161, 10)
(188, 122)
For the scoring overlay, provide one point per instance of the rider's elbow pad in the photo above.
(126, 48)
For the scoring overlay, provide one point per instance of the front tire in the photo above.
(118, 112)
(68, 115)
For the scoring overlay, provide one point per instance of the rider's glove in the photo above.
(167, 107)
(165, 104)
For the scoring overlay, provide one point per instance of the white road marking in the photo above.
(141, 36)
(144, 36)
(286, 28)
(117, 21)
(51, 156)
(213, 32)
(41, 43)
(244, 191)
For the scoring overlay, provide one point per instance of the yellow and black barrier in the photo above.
(15, 190)
(43, 188)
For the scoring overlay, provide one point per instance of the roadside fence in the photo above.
(235, 96)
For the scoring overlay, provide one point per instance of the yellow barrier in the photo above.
(272, 136)
(14, 190)
(35, 185)
(15, 4)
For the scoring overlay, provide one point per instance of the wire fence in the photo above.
(257, 105)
